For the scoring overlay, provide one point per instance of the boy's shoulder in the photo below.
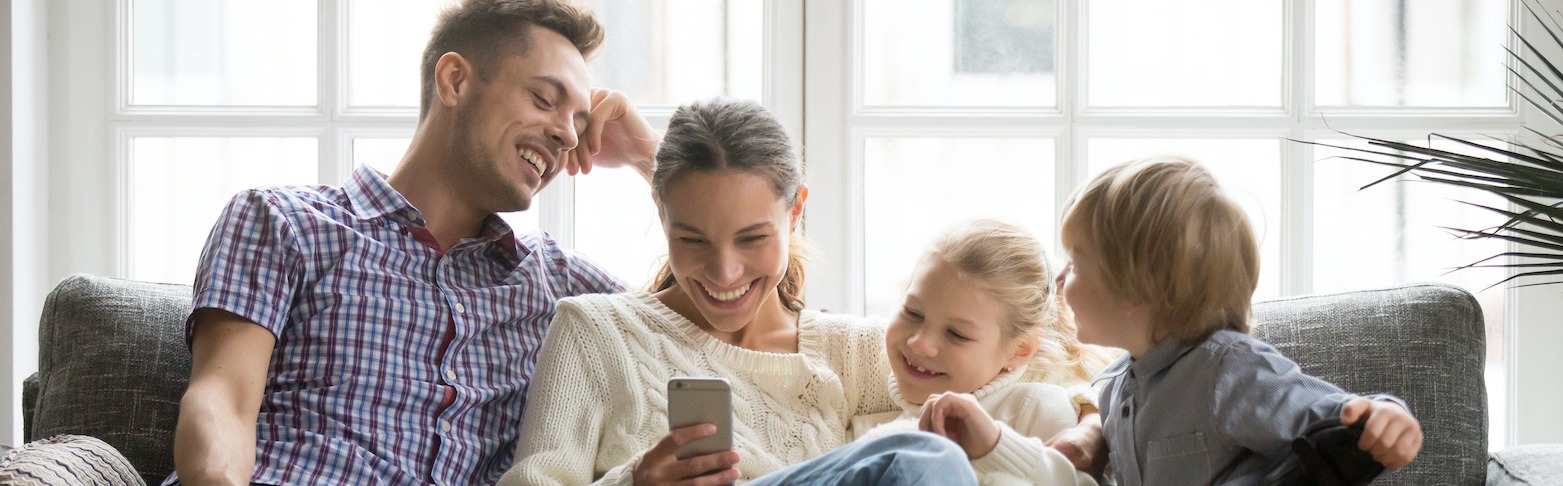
(1225, 342)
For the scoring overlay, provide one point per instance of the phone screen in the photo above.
(701, 401)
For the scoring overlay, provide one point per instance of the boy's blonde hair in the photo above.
(1166, 235)
(1012, 264)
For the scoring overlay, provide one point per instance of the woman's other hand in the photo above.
(959, 417)
(660, 466)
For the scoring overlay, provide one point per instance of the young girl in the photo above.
(1164, 265)
(978, 352)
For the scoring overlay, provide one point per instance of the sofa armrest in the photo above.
(29, 405)
(1530, 464)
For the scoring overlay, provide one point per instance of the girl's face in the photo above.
(727, 244)
(949, 335)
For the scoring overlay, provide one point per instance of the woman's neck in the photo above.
(774, 329)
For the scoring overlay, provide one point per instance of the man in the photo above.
(384, 331)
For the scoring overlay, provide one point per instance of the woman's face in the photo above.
(727, 243)
(949, 334)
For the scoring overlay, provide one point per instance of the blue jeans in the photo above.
(902, 458)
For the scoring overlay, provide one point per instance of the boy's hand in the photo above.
(959, 417)
(1390, 434)
(1083, 444)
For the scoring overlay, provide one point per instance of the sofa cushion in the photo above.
(66, 460)
(1529, 464)
(112, 364)
(1424, 343)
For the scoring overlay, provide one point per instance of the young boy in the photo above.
(1164, 265)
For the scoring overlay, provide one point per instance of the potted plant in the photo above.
(1529, 175)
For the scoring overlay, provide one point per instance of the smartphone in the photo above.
(701, 401)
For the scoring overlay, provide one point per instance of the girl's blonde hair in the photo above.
(1013, 265)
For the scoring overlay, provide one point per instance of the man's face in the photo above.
(513, 135)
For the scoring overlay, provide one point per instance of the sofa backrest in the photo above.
(1424, 343)
(112, 364)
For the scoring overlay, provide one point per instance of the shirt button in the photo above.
(444, 426)
(461, 309)
(450, 375)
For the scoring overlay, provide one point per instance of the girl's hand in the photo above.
(1391, 434)
(959, 417)
(659, 465)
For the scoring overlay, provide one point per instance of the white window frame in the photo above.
(838, 122)
(80, 218)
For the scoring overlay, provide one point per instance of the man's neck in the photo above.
(418, 178)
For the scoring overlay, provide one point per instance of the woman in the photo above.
(729, 190)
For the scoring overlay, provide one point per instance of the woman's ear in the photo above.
(796, 213)
(453, 78)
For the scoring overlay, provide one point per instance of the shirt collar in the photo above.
(1160, 356)
(372, 197)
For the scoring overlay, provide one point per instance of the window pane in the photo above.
(1250, 170)
(1185, 53)
(1423, 53)
(959, 52)
(1390, 233)
(616, 224)
(668, 52)
(385, 40)
(223, 52)
(178, 187)
(383, 154)
(916, 188)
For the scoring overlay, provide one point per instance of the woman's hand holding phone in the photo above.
(659, 465)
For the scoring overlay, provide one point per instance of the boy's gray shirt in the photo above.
(1223, 410)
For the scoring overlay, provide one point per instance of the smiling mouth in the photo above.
(731, 295)
(924, 372)
(533, 158)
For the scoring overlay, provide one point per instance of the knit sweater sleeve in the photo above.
(1035, 411)
(866, 377)
(579, 394)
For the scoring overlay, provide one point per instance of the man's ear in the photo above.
(454, 79)
(796, 213)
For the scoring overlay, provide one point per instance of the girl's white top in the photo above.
(1026, 413)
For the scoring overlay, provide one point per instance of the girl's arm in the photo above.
(997, 449)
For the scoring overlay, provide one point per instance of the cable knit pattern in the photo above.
(1026, 413)
(598, 398)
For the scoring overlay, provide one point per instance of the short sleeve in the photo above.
(250, 265)
(588, 278)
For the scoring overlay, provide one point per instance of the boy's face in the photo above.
(949, 335)
(1101, 318)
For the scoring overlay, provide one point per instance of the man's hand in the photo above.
(959, 417)
(617, 136)
(1083, 444)
(1391, 434)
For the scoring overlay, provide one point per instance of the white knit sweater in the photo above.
(598, 397)
(1026, 413)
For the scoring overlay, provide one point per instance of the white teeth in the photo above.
(536, 160)
(728, 296)
(919, 368)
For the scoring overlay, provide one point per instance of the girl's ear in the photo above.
(1025, 348)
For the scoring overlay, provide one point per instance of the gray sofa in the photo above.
(113, 365)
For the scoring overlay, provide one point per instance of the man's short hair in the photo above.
(1167, 235)
(487, 31)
